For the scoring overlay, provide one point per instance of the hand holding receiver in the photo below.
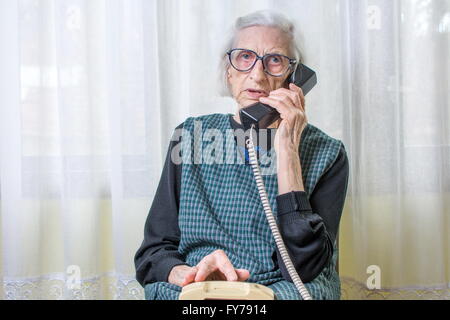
(262, 115)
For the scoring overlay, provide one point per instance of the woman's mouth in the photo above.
(256, 94)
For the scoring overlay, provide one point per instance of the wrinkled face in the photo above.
(248, 87)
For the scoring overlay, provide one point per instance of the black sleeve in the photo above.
(158, 253)
(309, 227)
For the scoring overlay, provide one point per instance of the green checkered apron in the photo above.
(220, 207)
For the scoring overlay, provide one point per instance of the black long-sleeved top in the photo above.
(309, 227)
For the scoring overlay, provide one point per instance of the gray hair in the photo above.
(267, 18)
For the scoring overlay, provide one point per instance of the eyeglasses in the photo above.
(276, 65)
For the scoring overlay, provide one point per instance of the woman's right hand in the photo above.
(215, 266)
(182, 275)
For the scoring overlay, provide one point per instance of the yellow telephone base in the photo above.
(226, 290)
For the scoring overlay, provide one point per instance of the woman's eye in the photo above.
(275, 60)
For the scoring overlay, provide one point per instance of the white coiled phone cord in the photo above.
(272, 223)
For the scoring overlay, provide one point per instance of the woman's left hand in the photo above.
(290, 103)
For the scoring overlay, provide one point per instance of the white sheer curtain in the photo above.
(91, 90)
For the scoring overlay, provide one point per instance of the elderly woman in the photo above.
(207, 221)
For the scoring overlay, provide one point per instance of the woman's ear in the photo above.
(229, 76)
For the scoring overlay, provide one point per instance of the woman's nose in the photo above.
(257, 73)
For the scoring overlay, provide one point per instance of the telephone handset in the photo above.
(262, 115)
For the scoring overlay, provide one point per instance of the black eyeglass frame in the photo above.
(292, 62)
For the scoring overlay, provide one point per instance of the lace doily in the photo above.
(354, 290)
(55, 287)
